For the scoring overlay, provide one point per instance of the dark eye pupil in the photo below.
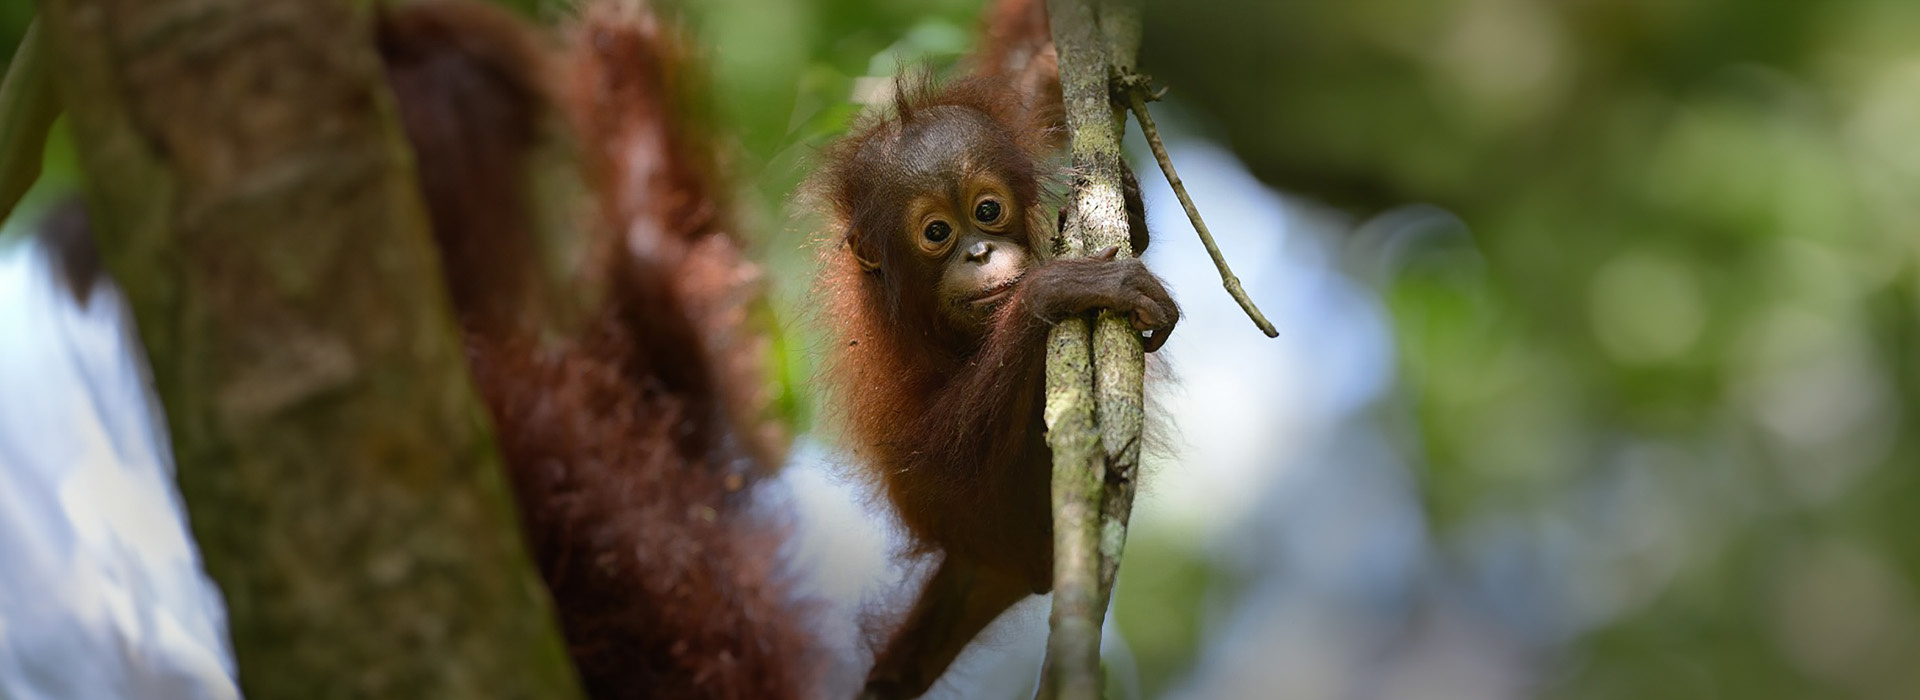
(988, 212)
(938, 231)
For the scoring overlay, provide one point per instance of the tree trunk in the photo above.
(1095, 373)
(253, 197)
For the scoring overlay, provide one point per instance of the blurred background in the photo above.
(1599, 357)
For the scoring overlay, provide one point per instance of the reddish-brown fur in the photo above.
(892, 368)
(947, 415)
(468, 79)
(634, 443)
(1017, 44)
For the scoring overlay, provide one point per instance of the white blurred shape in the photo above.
(845, 557)
(1247, 406)
(101, 592)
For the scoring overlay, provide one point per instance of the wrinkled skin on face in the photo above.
(952, 215)
(964, 217)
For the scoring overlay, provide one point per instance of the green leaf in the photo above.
(27, 109)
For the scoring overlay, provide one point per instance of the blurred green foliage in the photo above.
(1680, 240)
(1684, 244)
(784, 77)
(59, 167)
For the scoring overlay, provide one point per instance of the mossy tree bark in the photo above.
(1094, 371)
(253, 196)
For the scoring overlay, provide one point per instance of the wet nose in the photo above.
(980, 251)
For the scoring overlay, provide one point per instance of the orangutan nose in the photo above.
(980, 251)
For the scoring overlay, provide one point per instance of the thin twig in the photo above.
(1138, 94)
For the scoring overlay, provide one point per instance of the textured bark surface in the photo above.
(1094, 374)
(252, 195)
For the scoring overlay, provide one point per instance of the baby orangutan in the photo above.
(942, 292)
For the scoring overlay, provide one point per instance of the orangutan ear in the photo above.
(867, 264)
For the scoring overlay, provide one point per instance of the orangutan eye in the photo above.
(938, 231)
(987, 212)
